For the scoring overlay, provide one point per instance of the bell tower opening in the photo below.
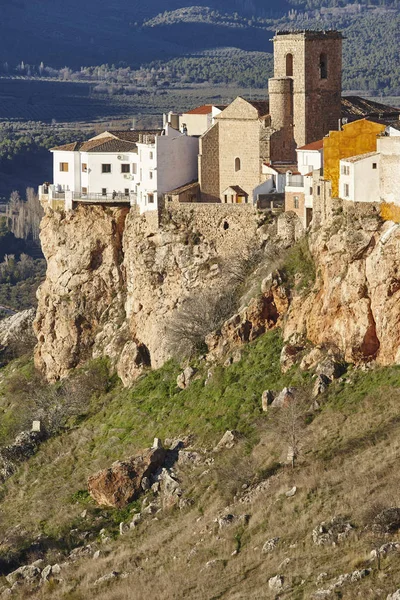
(323, 66)
(289, 65)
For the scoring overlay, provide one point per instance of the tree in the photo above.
(290, 423)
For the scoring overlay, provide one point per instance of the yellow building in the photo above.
(359, 137)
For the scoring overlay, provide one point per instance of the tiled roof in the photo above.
(355, 106)
(353, 159)
(237, 189)
(205, 109)
(67, 147)
(313, 146)
(262, 106)
(109, 144)
(184, 188)
(283, 168)
(132, 135)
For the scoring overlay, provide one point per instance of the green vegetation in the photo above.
(299, 265)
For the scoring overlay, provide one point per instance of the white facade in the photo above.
(107, 168)
(309, 160)
(389, 172)
(359, 178)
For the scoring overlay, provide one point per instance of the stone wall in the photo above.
(209, 165)
(290, 204)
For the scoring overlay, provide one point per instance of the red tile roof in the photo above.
(313, 146)
(205, 109)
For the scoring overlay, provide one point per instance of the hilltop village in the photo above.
(297, 151)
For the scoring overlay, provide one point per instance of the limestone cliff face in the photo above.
(114, 279)
(355, 302)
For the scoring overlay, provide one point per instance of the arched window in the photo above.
(323, 66)
(289, 65)
(237, 164)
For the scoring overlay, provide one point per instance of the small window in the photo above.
(84, 167)
(318, 190)
(346, 190)
(296, 201)
(323, 66)
(126, 191)
(150, 198)
(311, 191)
(106, 168)
(64, 167)
(84, 190)
(134, 168)
(225, 198)
(374, 165)
(125, 168)
(141, 174)
(104, 191)
(289, 65)
(151, 174)
(151, 156)
(237, 164)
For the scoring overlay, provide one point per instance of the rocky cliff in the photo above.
(354, 304)
(114, 279)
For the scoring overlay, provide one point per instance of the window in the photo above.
(311, 191)
(84, 190)
(318, 190)
(150, 198)
(126, 192)
(346, 190)
(64, 167)
(151, 174)
(323, 66)
(141, 174)
(289, 65)
(106, 168)
(125, 168)
(151, 156)
(345, 170)
(237, 164)
(84, 167)
(104, 191)
(374, 165)
(134, 168)
(225, 198)
(296, 201)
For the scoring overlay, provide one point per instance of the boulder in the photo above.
(330, 368)
(267, 399)
(25, 445)
(276, 583)
(120, 484)
(394, 596)
(228, 441)
(289, 356)
(270, 545)
(387, 521)
(185, 378)
(292, 492)
(27, 573)
(320, 385)
(331, 532)
(283, 398)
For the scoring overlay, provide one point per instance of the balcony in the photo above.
(49, 195)
(113, 198)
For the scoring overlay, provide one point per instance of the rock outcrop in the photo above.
(122, 482)
(115, 279)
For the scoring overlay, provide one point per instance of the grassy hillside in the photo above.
(347, 466)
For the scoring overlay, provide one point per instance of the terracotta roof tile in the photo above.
(313, 146)
(68, 147)
(205, 109)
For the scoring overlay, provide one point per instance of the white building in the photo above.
(196, 121)
(359, 178)
(133, 167)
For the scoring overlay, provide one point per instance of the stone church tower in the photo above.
(305, 93)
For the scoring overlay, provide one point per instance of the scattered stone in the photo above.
(211, 563)
(291, 493)
(107, 578)
(151, 509)
(123, 528)
(320, 386)
(276, 583)
(385, 549)
(228, 440)
(184, 379)
(185, 457)
(321, 578)
(25, 445)
(283, 398)
(387, 521)
(330, 368)
(121, 483)
(96, 555)
(236, 356)
(157, 444)
(40, 563)
(270, 545)
(267, 399)
(321, 594)
(77, 553)
(46, 572)
(135, 520)
(84, 514)
(155, 488)
(27, 572)
(394, 596)
(284, 563)
(331, 532)
(145, 484)
(226, 520)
